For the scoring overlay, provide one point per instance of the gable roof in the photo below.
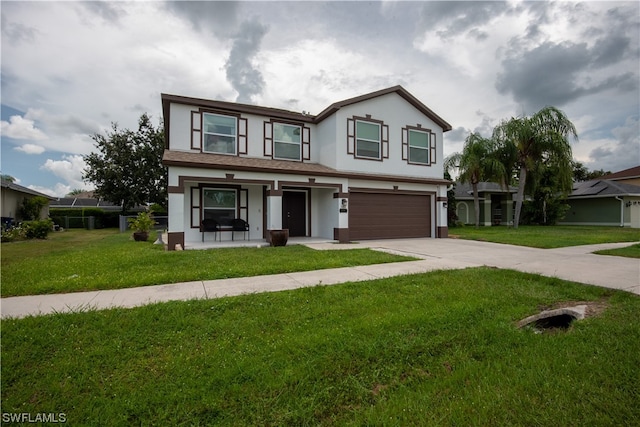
(168, 99)
(19, 188)
(603, 188)
(395, 89)
(633, 172)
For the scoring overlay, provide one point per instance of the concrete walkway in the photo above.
(574, 263)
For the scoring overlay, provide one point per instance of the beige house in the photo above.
(13, 196)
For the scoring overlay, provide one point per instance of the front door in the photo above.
(294, 212)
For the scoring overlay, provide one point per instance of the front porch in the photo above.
(253, 243)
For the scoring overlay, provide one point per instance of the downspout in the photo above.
(621, 211)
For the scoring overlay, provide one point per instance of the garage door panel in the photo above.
(380, 216)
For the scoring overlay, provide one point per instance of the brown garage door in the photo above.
(388, 216)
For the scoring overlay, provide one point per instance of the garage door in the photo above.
(388, 216)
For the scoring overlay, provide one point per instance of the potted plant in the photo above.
(279, 237)
(141, 225)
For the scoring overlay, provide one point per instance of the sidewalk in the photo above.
(573, 263)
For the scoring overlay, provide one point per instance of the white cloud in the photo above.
(30, 148)
(59, 189)
(70, 170)
(19, 127)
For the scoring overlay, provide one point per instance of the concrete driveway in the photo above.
(576, 263)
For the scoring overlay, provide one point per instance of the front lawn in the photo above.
(80, 260)
(632, 251)
(433, 349)
(548, 237)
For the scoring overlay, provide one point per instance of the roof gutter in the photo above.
(621, 211)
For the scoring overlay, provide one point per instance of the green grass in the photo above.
(632, 251)
(432, 349)
(80, 260)
(557, 236)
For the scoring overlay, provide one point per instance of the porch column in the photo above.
(442, 229)
(341, 205)
(274, 212)
(488, 214)
(176, 221)
(508, 211)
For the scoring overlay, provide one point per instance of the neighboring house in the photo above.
(364, 168)
(604, 202)
(627, 176)
(13, 196)
(496, 203)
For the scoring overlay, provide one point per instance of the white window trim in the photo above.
(204, 133)
(378, 141)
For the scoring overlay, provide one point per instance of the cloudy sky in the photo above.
(70, 69)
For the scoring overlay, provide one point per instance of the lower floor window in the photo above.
(219, 204)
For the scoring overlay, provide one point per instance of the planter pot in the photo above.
(141, 236)
(279, 237)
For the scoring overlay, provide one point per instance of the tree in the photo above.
(127, 169)
(8, 178)
(581, 173)
(548, 203)
(541, 138)
(32, 207)
(475, 164)
(75, 192)
(452, 216)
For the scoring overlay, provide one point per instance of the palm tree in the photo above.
(475, 164)
(541, 138)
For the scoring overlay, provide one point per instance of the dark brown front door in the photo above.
(294, 212)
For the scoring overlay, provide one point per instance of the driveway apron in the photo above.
(576, 263)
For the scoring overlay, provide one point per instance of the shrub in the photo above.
(157, 209)
(144, 222)
(37, 229)
(13, 234)
(32, 206)
(103, 219)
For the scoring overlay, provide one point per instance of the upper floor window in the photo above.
(418, 145)
(219, 133)
(367, 138)
(287, 141)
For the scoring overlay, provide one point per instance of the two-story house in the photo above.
(368, 167)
